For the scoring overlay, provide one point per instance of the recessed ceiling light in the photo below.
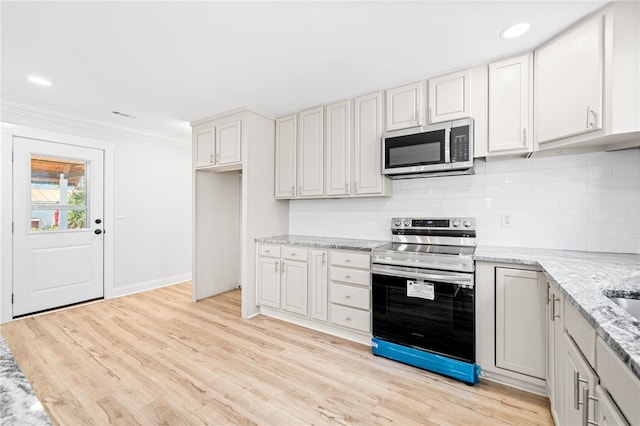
(515, 30)
(39, 81)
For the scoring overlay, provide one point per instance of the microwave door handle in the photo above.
(447, 146)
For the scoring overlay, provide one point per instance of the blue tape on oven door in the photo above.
(421, 289)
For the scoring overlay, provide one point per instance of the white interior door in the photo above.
(58, 242)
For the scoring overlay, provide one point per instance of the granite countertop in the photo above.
(585, 278)
(323, 242)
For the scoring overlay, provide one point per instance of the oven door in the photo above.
(428, 310)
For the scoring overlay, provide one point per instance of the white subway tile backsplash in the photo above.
(580, 202)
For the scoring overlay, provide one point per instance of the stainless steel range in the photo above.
(424, 295)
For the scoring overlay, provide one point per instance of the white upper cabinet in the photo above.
(229, 142)
(218, 144)
(568, 82)
(203, 141)
(338, 142)
(367, 163)
(449, 97)
(404, 106)
(286, 160)
(586, 85)
(510, 105)
(311, 153)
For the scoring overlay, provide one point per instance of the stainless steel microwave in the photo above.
(437, 150)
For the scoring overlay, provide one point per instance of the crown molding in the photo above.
(29, 110)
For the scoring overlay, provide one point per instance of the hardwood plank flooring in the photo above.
(158, 358)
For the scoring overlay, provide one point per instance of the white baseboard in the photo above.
(323, 327)
(150, 285)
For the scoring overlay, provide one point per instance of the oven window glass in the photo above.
(415, 150)
(444, 325)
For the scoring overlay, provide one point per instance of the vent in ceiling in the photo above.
(122, 114)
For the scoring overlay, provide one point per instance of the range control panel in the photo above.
(435, 223)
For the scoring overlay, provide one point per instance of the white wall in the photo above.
(152, 183)
(576, 202)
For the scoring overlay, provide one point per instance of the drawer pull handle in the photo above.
(347, 296)
(267, 251)
(347, 260)
(346, 277)
(348, 319)
(576, 390)
(585, 410)
(293, 254)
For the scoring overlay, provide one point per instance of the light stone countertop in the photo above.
(584, 278)
(323, 242)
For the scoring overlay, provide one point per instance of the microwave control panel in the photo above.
(459, 143)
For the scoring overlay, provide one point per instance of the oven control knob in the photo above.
(455, 223)
(397, 222)
(406, 222)
(466, 223)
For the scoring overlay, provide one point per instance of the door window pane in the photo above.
(58, 194)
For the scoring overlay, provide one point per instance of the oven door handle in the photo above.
(464, 280)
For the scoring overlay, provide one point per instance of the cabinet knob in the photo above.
(346, 277)
(347, 260)
(347, 296)
(347, 319)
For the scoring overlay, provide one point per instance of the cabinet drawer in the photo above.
(582, 333)
(351, 317)
(351, 276)
(618, 380)
(357, 297)
(294, 253)
(270, 250)
(350, 259)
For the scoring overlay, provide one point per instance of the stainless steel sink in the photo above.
(632, 306)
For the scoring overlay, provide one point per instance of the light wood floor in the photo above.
(157, 358)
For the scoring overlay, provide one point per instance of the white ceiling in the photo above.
(167, 63)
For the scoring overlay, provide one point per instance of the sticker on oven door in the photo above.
(420, 289)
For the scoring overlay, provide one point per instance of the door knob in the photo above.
(98, 221)
(98, 231)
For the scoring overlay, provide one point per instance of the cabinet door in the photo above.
(607, 413)
(286, 163)
(521, 321)
(568, 83)
(311, 153)
(554, 351)
(404, 106)
(294, 287)
(577, 376)
(204, 146)
(338, 144)
(367, 164)
(449, 97)
(229, 143)
(510, 88)
(319, 285)
(268, 282)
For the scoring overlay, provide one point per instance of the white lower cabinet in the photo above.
(350, 289)
(607, 413)
(511, 329)
(268, 270)
(294, 286)
(318, 285)
(327, 290)
(578, 381)
(520, 321)
(554, 349)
